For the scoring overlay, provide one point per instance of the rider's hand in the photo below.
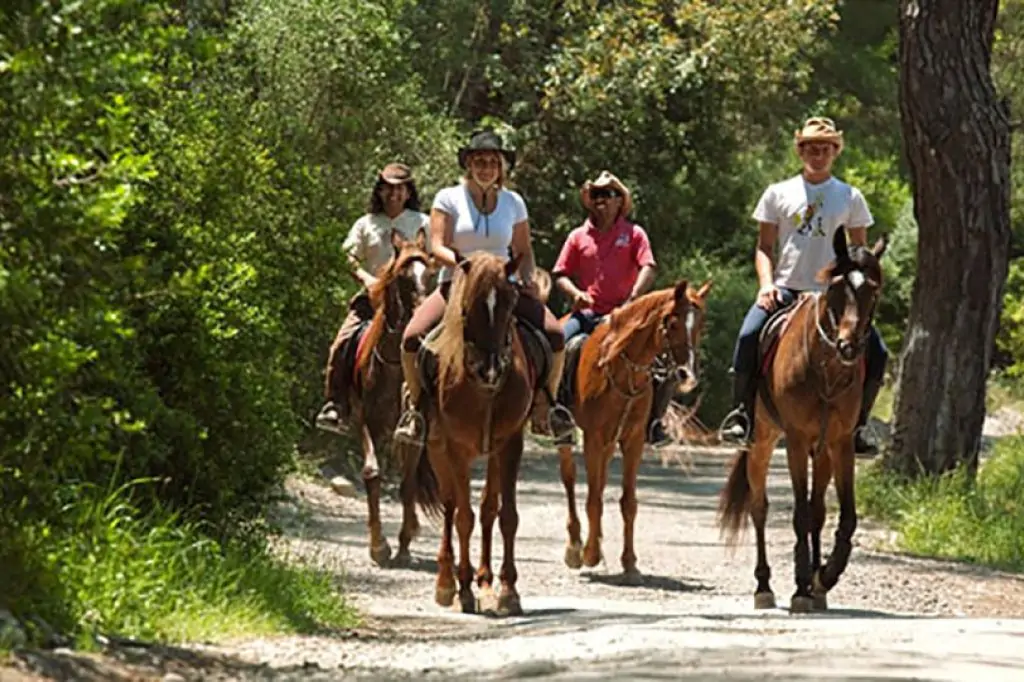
(582, 301)
(530, 289)
(768, 297)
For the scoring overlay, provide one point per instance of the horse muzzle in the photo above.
(688, 379)
(848, 350)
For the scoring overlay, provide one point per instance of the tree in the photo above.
(956, 138)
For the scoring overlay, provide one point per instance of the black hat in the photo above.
(486, 141)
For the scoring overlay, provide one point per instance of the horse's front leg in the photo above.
(798, 450)
(444, 592)
(488, 513)
(574, 547)
(380, 551)
(511, 458)
(597, 456)
(632, 452)
(844, 475)
(464, 519)
(758, 461)
(822, 471)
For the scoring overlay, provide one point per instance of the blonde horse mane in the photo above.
(486, 272)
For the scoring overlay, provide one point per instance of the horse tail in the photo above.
(419, 483)
(734, 502)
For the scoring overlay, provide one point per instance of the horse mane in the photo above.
(633, 317)
(377, 292)
(485, 273)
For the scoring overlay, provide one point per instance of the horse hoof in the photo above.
(764, 600)
(509, 605)
(632, 577)
(801, 604)
(467, 602)
(403, 559)
(381, 553)
(820, 601)
(444, 596)
(592, 558)
(573, 556)
(487, 602)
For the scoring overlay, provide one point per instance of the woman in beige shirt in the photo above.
(394, 205)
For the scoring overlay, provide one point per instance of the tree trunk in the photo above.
(957, 141)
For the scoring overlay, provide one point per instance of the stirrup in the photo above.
(653, 429)
(329, 419)
(562, 424)
(739, 431)
(411, 428)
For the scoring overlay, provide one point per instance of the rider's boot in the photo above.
(738, 425)
(563, 426)
(334, 415)
(411, 428)
(861, 444)
(664, 389)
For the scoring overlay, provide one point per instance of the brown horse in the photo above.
(485, 389)
(613, 393)
(401, 285)
(812, 393)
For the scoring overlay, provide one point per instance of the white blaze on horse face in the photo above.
(691, 324)
(856, 279)
(492, 302)
(419, 274)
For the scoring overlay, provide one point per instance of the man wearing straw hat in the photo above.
(605, 263)
(801, 215)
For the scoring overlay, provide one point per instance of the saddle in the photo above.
(768, 340)
(350, 352)
(539, 356)
(567, 387)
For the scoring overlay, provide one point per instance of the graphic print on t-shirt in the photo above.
(810, 223)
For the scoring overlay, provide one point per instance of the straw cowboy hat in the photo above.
(486, 141)
(396, 174)
(819, 129)
(607, 181)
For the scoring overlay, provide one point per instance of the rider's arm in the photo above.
(565, 266)
(523, 244)
(355, 252)
(858, 235)
(644, 282)
(441, 234)
(764, 256)
(644, 258)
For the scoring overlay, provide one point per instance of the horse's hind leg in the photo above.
(508, 601)
(798, 450)
(380, 551)
(844, 475)
(488, 513)
(822, 468)
(758, 461)
(574, 547)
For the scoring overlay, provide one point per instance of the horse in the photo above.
(812, 378)
(401, 285)
(613, 390)
(485, 384)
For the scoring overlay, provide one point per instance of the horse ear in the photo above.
(463, 265)
(421, 239)
(512, 264)
(396, 239)
(880, 246)
(704, 289)
(681, 287)
(839, 245)
(459, 258)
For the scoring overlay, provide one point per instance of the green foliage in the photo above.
(954, 516)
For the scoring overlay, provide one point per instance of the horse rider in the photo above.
(801, 215)
(605, 263)
(480, 213)
(394, 205)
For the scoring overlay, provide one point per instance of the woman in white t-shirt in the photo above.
(801, 215)
(394, 205)
(480, 214)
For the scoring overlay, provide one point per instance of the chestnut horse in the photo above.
(401, 285)
(811, 392)
(613, 393)
(485, 391)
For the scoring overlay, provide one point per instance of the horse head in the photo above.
(854, 287)
(403, 281)
(681, 329)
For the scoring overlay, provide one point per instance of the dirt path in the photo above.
(891, 617)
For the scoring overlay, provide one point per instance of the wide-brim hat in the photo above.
(819, 129)
(486, 141)
(396, 174)
(609, 181)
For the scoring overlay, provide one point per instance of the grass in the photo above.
(108, 569)
(952, 517)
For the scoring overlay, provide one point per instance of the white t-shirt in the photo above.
(808, 216)
(369, 239)
(473, 231)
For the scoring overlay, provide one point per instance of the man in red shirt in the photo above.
(605, 263)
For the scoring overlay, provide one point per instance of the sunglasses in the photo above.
(604, 194)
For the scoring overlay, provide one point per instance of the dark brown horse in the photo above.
(811, 392)
(401, 285)
(613, 394)
(485, 389)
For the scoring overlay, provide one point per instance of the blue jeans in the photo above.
(580, 322)
(744, 357)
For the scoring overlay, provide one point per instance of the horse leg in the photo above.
(574, 548)
(597, 466)
(822, 472)
(632, 451)
(488, 512)
(444, 592)
(798, 451)
(511, 457)
(758, 461)
(847, 514)
(380, 551)
(464, 519)
(410, 525)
